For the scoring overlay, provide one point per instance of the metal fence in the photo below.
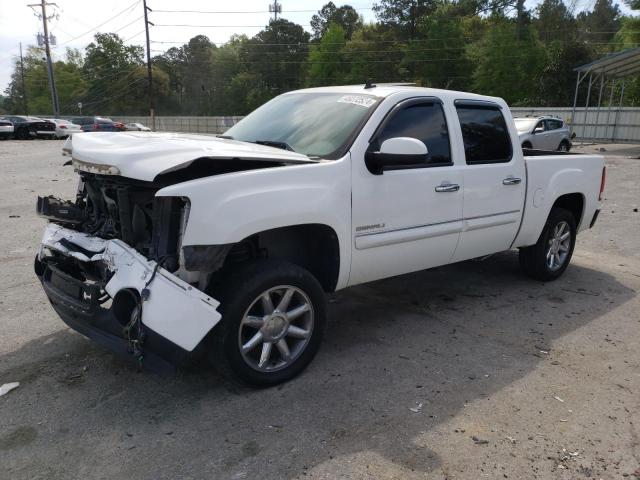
(606, 125)
(211, 125)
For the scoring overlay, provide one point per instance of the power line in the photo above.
(239, 12)
(186, 25)
(94, 29)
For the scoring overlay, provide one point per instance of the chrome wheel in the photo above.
(276, 328)
(558, 246)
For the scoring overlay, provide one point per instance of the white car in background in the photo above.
(543, 133)
(64, 128)
(6, 128)
(137, 127)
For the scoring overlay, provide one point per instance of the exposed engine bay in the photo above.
(112, 207)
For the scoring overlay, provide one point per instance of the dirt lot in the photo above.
(507, 377)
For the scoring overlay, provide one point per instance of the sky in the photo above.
(77, 21)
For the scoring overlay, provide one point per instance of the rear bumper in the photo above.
(175, 316)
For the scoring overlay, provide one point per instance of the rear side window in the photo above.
(554, 124)
(485, 134)
(424, 122)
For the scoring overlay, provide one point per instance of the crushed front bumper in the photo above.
(175, 315)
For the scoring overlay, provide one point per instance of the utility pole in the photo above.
(52, 82)
(275, 8)
(152, 113)
(24, 88)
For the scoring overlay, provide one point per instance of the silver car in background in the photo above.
(543, 133)
(64, 128)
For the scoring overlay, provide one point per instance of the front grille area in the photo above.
(112, 207)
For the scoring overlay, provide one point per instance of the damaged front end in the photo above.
(110, 264)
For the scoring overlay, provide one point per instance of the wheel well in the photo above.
(314, 247)
(526, 144)
(574, 202)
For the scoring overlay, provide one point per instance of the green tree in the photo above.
(554, 21)
(599, 25)
(109, 67)
(374, 53)
(403, 15)
(277, 55)
(506, 66)
(438, 58)
(326, 59)
(558, 78)
(345, 16)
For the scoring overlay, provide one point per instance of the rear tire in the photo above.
(564, 146)
(550, 256)
(257, 342)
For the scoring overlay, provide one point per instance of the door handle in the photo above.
(447, 187)
(511, 181)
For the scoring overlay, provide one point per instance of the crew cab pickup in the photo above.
(177, 245)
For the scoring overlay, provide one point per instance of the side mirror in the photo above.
(396, 152)
(538, 130)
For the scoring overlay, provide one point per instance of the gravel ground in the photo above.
(468, 371)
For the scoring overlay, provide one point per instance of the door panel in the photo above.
(495, 183)
(400, 223)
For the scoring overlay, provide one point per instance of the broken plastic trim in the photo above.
(174, 309)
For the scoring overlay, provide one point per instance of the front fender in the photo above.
(226, 209)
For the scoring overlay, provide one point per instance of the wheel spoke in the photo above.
(252, 343)
(550, 259)
(296, 312)
(557, 259)
(267, 304)
(253, 321)
(563, 248)
(297, 332)
(286, 299)
(283, 348)
(266, 353)
(564, 236)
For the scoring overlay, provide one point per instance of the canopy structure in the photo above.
(612, 68)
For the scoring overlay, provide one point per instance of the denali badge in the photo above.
(370, 227)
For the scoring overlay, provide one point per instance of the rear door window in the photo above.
(554, 124)
(485, 134)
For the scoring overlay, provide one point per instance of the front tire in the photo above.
(527, 145)
(550, 256)
(273, 317)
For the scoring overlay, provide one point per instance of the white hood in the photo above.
(143, 156)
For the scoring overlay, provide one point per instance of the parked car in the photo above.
(6, 129)
(25, 127)
(182, 244)
(137, 127)
(543, 133)
(64, 128)
(95, 124)
(119, 126)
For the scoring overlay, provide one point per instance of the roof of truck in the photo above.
(386, 89)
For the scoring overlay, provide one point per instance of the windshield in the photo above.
(314, 124)
(525, 124)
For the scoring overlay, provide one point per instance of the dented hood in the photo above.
(143, 155)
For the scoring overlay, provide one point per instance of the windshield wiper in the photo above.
(275, 143)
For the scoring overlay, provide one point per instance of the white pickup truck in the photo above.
(178, 245)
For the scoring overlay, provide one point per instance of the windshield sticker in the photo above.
(357, 100)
